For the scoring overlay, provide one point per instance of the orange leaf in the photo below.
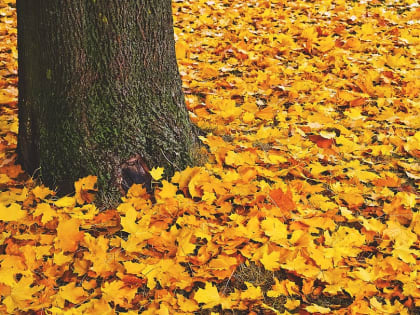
(283, 200)
(387, 182)
(358, 102)
(68, 235)
(133, 281)
(321, 141)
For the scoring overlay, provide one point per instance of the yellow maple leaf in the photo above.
(364, 274)
(129, 221)
(300, 265)
(291, 303)
(248, 117)
(322, 202)
(354, 113)
(326, 44)
(65, 202)
(309, 33)
(344, 242)
(186, 305)
(133, 268)
(195, 182)
(406, 255)
(185, 246)
(228, 109)
(318, 309)
(21, 295)
(275, 229)
(277, 289)
(41, 192)
(208, 197)
(60, 258)
(252, 292)
(413, 143)
(373, 225)
(208, 71)
(223, 266)
(5, 99)
(157, 173)
(181, 48)
(411, 289)
(102, 261)
(168, 190)
(223, 262)
(352, 199)
(10, 265)
(209, 296)
(72, 293)
(402, 236)
(12, 213)
(184, 177)
(387, 307)
(46, 211)
(271, 261)
(83, 188)
(118, 292)
(251, 230)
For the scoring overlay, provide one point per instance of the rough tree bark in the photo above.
(100, 92)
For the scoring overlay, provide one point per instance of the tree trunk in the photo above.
(100, 92)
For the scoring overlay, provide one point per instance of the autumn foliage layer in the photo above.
(308, 203)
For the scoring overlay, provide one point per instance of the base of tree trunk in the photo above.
(100, 93)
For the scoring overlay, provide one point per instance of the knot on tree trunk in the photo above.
(135, 171)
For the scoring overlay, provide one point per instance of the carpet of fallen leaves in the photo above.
(309, 202)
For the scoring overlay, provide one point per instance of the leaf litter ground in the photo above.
(309, 202)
